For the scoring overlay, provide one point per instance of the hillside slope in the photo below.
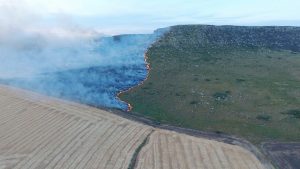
(243, 81)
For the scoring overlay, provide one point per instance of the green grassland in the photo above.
(251, 91)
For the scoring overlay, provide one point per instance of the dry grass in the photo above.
(41, 132)
(37, 132)
(170, 150)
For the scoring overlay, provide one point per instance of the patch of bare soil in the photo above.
(283, 155)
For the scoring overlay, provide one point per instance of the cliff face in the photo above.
(199, 36)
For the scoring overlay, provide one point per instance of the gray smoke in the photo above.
(68, 61)
(28, 46)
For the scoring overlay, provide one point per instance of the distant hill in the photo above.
(277, 38)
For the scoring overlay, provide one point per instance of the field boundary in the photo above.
(221, 137)
(134, 159)
(135, 117)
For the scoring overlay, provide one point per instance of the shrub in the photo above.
(264, 117)
(221, 95)
(193, 102)
(240, 80)
(295, 113)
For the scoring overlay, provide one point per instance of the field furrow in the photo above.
(193, 153)
(41, 132)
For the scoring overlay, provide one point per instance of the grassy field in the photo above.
(250, 90)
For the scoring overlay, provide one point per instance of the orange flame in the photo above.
(130, 107)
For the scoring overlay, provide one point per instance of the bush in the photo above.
(240, 80)
(221, 95)
(264, 117)
(193, 102)
(295, 113)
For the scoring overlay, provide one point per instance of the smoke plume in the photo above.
(67, 61)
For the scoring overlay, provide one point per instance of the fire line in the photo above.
(147, 64)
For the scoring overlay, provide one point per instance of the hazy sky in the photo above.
(136, 16)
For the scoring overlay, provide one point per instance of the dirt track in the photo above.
(41, 132)
(284, 155)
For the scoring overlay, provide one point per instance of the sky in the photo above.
(137, 16)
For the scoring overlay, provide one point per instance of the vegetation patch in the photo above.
(264, 117)
(295, 113)
(221, 95)
(224, 104)
(240, 80)
(193, 102)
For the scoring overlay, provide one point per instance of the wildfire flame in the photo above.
(130, 107)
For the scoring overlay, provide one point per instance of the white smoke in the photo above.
(61, 59)
(30, 46)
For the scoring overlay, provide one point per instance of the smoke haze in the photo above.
(68, 61)
(29, 47)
